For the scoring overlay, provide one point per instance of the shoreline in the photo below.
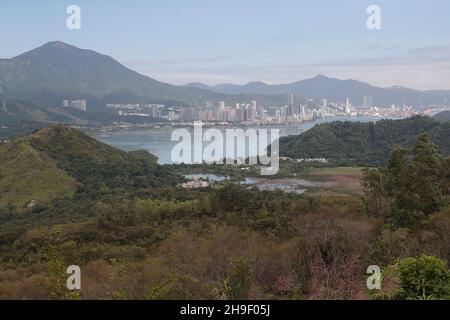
(175, 125)
(157, 139)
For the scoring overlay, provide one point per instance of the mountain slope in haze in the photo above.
(443, 116)
(57, 70)
(14, 112)
(364, 144)
(322, 87)
(58, 161)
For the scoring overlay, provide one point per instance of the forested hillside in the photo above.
(443, 116)
(57, 161)
(135, 235)
(364, 144)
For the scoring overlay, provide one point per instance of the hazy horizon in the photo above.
(235, 42)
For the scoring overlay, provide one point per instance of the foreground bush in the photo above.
(423, 278)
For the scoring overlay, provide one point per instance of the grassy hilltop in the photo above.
(53, 162)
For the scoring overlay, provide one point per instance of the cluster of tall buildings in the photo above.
(250, 113)
(295, 113)
(240, 112)
(76, 104)
(291, 112)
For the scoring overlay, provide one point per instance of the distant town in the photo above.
(253, 113)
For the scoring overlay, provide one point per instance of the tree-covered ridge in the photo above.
(56, 160)
(365, 144)
(92, 162)
(443, 116)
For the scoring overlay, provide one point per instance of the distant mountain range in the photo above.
(322, 87)
(36, 82)
(57, 70)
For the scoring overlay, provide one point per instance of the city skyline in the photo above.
(212, 42)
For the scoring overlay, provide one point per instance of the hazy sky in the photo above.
(237, 41)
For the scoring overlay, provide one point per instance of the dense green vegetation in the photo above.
(363, 144)
(26, 176)
(135, 235)
(414, 185)
(57, 161)
(422, 278)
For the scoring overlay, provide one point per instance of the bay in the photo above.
(158, 140)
